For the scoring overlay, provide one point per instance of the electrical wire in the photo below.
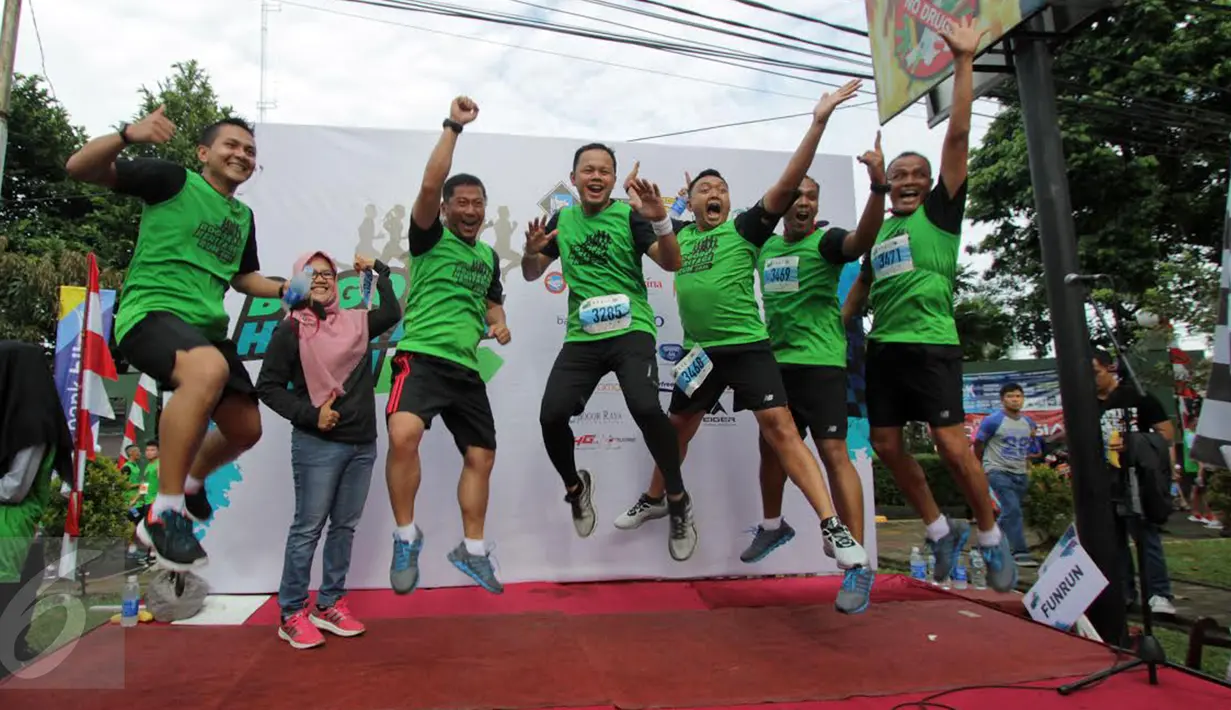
(795, 15)
(42, 57)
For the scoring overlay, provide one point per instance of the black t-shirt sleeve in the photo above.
(422, 240)
(757, 224)
(552, 249)
(150, 179)
(643, 232)
(831, 247)
(250, 262)
(1150, 413)
(944, 211)
(495, 290)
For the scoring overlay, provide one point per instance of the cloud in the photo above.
(348, 64)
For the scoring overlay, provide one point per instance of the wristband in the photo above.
(452, 125)
(880, 189)
(663, 227)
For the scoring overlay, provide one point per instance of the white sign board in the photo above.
(348, 190)
(1068, 583)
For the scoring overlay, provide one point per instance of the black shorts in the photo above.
(749, 370)
(580, 365)
(137, 514)
(151, 344)
(426, 386)
(909, 382)
(816, 396)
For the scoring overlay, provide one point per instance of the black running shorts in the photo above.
(909, 382)
(749, 370)
(428, 386)
(151, 344)
(817, 399)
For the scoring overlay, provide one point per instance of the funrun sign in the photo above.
(259, 317)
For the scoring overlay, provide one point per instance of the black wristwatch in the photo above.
(453, 125)
(123, 132)
(880, 189)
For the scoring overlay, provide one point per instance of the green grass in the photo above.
(1175, 643)
(1207, 561)
(60, 619)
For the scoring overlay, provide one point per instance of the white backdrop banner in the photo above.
(350, 190)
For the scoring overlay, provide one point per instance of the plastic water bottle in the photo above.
(918, 567)
(959, 572)
(679, 207)
(978, 571)
(131, 603)
(932, 567)
(299, 285)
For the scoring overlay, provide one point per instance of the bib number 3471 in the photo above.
(691, 372)
(892, 256)
(604, 314)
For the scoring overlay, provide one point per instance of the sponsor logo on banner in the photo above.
(718, 416)
(554, 282)
(653, 284)
(587, 441)
(671, 352)
(603, 415)
(609, 388)
(659, 321)
(616, 442)
(557, 199)
(920, 50)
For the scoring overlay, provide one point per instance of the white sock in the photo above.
(162, 502)
(938, 528)
(771, 523)
(476, 547)
(193, 484)
(991, 538)
(407, 532)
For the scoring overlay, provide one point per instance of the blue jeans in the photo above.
(1011, 490)
(1156, 564)
(331, 483)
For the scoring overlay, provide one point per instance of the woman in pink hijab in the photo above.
(317, 375)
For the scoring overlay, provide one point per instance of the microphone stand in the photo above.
(1149, 652)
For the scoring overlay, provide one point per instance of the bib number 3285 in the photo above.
(691, 372)
(892, 257)
(604, 314)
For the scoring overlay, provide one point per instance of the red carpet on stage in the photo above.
(625, 645)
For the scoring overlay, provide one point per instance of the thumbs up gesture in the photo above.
(154, 128)
(327, 419)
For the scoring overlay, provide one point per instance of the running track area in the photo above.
(772, 644)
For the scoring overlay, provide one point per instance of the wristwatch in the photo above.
(122, 130)
(453, 125)
(880, 189)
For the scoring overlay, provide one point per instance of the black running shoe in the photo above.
(198, 506)
(169, 536)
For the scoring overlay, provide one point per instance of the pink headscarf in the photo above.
(329, 349)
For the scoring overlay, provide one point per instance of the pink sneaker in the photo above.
(337, 620)
(299, 632)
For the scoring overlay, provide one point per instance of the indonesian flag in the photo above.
(147, 389)
(96, 365)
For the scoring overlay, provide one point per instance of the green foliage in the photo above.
(189, 101)
(103, 516)
(1218, 493)
(1049, 503)
(1144, 111)
(944, 487)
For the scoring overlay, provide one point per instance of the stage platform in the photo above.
(776, 644)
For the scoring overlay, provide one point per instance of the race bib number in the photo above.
(690, 373)
(781, 275)
(143, 489)
(605, 314)
(892, 257)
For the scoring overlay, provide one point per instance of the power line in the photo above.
(42, 57)
(832, 25)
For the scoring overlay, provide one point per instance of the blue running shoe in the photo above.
(476, 567)
(1001, 567)
(766, 541)
(856, 592)
(404, 572)
(949, 547)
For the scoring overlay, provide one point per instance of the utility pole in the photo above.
(1095, 516)
(8, 52)
(267, 6)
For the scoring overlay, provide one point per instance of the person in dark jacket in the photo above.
(322, 352)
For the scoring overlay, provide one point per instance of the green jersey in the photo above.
(451, 283)
(913, 269)
(799, 287)
(714, 285)
(192, 241)
(601, 259)
(143, 482)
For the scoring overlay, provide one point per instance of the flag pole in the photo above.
(68, 550)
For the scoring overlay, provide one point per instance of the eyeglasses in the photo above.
(325, 275)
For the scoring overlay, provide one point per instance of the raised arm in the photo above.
(388, 312)
(426, 209)
(95, 162)
(779, 197)
(861, 240)
(655, 230)
(540, 249)
(963, 39)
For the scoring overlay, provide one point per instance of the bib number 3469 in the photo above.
(604, 314)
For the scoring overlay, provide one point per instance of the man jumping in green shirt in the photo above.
(196, 240)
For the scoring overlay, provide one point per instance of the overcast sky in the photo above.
(338, 63)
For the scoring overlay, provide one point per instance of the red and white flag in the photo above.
(96, 366)
(147, 390)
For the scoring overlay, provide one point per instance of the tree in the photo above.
(1143, 114)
